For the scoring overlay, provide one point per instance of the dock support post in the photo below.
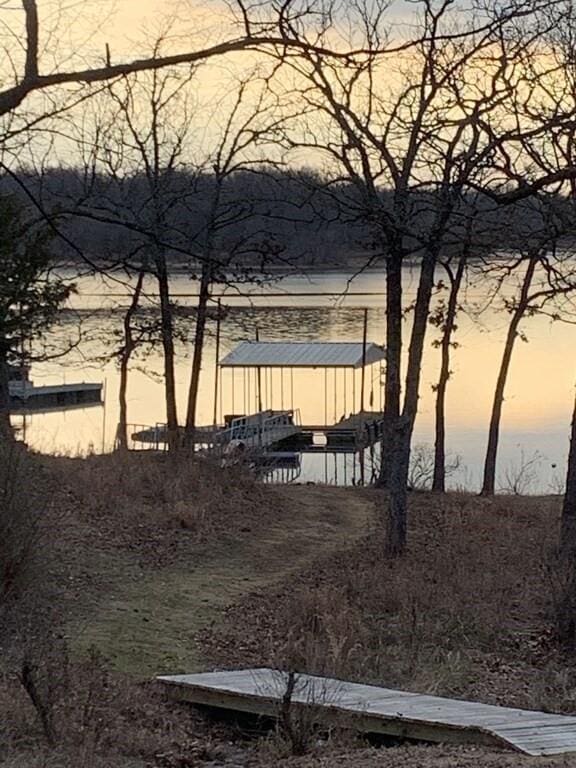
(217, 362)
(258, 380)
(335, 395)
(245, 391)
(271, 384)
(248, 391)
(103, 417)
(364, 343)
(325, 396)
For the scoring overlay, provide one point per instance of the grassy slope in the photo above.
(148, 621)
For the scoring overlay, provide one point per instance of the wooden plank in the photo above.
(332, 715)
(542, 734)
(381, 710)
(545, 736)
(542, 726)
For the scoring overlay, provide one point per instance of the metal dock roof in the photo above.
(302, 354)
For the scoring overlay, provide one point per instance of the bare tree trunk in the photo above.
(5, 428)
(201, 316)
(129, 346)
(439, 476)
(568, 530)
(167, 332)
(489, 481)
(399, 468)
(392, 387)
(397, 520)
(566, 563)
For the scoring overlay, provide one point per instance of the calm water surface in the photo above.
(536, 414)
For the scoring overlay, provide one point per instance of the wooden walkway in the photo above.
(381, 710)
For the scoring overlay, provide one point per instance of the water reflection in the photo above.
(538, 402)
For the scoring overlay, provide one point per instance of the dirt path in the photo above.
(147, 623)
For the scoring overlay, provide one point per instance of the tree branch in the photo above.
(31, 67)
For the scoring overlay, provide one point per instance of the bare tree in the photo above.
(548, 277)
(251, 120)
(126, 352)
(552, 152)
(265, 26)
(412, 136)
(177, 199)
(445, 318)
(518, 308)
(143, 148)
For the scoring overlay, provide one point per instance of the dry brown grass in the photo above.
(102, 719)
(411, 756)
(467, 612)
(25, 554)
(152, 503)
(148, 549)
(109, 518)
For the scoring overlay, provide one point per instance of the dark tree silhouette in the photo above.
(29, 295)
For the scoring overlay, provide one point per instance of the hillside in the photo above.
(166, 568)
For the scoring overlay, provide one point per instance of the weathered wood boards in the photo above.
(381, 710)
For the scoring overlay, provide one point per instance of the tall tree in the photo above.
(30, 295)
(228, 240)
(445, 318)
(128, 347)
(546, 276)
(145, 133)
(416, 126)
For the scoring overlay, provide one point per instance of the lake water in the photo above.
(539, 394)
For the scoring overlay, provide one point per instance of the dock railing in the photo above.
(146, 437)
(256, 432)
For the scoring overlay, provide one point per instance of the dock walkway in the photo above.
(381, 710)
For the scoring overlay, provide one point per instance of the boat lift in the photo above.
(261, 380)
(258, 382)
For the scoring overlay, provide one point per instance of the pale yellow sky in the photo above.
(130, 25)
(73, 33)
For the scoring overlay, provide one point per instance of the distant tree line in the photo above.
(286, 219)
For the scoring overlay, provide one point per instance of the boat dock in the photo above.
(27, 398)
(257, 431)
(259, 418)
(274, 431)
(371, 709)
